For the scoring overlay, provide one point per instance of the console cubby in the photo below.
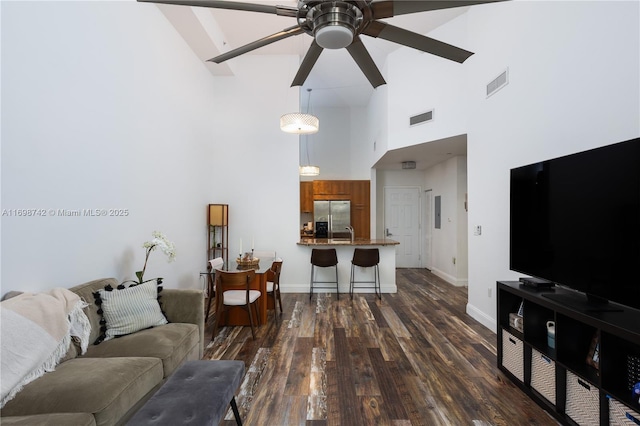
(509, 303)
(535, 326)
(614, 368)
(573, 341)
(584, 379)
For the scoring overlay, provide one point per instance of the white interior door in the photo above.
(402, 223)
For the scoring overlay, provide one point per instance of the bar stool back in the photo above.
(323, 258)
(366, 258)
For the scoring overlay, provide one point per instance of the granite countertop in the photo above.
(346, 242)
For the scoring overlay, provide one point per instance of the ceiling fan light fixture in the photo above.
(299, 123)
(334, 23)
(309, 170)
(334, 36)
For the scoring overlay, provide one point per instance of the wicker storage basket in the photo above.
(513, 355)
(621, 415)
(583, 404)
(543, 375)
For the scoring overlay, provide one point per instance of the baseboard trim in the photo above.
(458, 282)
(481, 317)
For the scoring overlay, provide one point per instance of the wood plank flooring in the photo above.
(414, 358)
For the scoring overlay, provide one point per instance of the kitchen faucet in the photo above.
(350, 229)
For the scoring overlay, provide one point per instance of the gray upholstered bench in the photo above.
(197, 394)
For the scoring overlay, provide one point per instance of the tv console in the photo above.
(582, 377)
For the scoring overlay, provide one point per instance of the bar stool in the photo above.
(323, 258)
(366, 258)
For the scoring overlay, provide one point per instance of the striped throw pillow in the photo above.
(126, 310)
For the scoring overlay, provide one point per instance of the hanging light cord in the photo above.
(306, 140)
(309, 101)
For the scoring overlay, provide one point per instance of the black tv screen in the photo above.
(575, 220)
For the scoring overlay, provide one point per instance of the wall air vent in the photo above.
(498, 83)
(408, 165)
(425, 117)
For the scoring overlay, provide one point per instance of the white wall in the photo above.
(419, 82)
(573, 85)
(103, 107)
(256, 166)
(326, 148)
(106, 107)
(449, 250)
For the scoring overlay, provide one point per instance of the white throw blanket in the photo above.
(36, 331)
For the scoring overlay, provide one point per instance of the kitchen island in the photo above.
(344, 249)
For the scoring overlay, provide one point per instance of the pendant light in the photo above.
(299, 123)
(309, 170)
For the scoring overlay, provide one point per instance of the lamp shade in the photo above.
(309, 170)
(218, 214)
(301, 124)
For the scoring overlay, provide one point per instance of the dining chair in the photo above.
(214, 264)
(273, 286)
(232, 289)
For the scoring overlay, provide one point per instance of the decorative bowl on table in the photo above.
(248, 263)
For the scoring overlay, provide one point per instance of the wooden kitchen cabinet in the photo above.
(358, 192)
(331, 189)
(360, 208)
(306, 197)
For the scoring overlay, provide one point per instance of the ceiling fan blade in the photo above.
(417, 41)
(256, 44)
(233, 5)
(360, 54)
(388, 8)
(307, 63)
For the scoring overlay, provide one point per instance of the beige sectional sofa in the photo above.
(113, 379)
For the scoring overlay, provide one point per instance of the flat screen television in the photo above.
(575, 221)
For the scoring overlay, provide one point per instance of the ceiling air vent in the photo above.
(421, 118)
(498, 83)
(408, 165)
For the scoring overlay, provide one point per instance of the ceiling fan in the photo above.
(339, 24)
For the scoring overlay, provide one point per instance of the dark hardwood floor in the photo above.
(414, 358)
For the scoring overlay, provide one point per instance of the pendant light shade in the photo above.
(301, 124)
(309, 170)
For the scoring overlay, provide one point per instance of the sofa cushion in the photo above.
(126, 310)
(105, 387)
(171, 343)
(75, 419)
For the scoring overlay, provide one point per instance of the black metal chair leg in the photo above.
(311, 284)
(236, 414)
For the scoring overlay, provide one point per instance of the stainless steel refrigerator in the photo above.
(337, 216)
